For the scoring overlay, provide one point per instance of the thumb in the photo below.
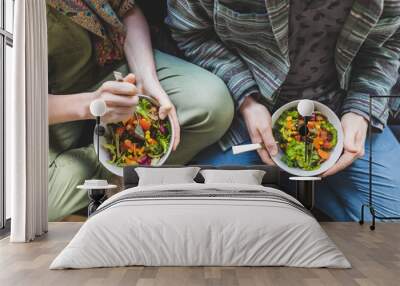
(269, 141)
(164, 110)
(350, 141)
(271, 146)
(131, 78)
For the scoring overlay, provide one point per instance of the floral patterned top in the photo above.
(103, 19)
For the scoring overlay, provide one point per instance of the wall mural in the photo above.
(225, 84)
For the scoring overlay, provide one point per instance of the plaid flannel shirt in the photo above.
(245, 42)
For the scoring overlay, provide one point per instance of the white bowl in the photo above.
(336, 152)
(105, 156)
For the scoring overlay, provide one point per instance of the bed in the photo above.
(201, 224)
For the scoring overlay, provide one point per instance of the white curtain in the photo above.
(27, 123)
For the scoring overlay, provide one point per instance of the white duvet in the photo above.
(224, 225)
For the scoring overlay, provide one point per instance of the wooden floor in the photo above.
(375, 257)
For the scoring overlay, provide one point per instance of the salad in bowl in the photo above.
(307, 146)
(143, 139)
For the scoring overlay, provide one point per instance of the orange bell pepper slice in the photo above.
(324, 155)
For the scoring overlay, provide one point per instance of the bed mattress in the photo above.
(201, 225)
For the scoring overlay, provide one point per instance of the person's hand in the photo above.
(153, 88)
(355, 132)
(120, 98)
(259, 125)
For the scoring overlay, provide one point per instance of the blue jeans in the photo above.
(340, 196)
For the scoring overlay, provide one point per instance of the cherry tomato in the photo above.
(145, 124)
(128, 143)
(120, 131)
(327, 145)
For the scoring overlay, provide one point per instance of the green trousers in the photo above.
(205, 111)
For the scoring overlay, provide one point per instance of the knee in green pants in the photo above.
(69, 170)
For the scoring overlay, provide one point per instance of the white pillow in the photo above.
(248, 177)
(166, 176)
